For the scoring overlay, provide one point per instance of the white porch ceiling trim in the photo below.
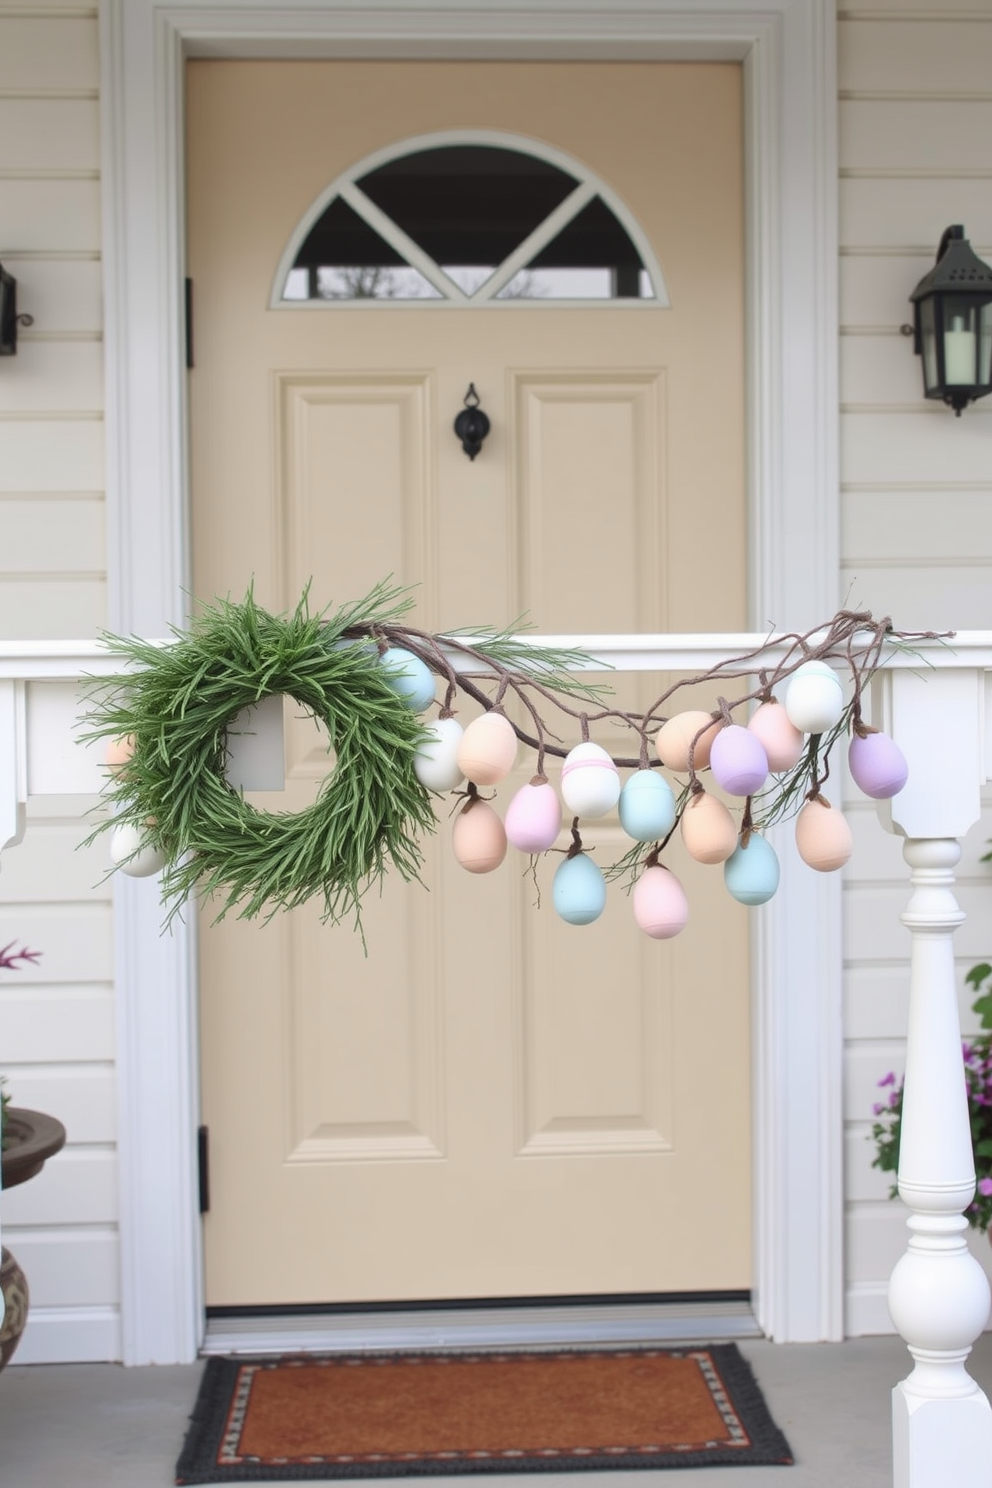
(787, 48)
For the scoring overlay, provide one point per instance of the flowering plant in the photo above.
(10, 959)
(977, 1052)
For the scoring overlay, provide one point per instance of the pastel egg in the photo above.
(752, 873)
(708, 830)
(878, 765)
(783, 742)
(647, 806)
(488, 749)
(823, 837)
(409, 677)
(478, 838)
(675, 737)
(661, 908)
(435, 762)
(738, 760)
(579, 890)
(118, 753)
(590, 781)
(814, 698)
(133, 854)
(533, 818)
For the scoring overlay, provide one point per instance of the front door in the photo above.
(490, 1103)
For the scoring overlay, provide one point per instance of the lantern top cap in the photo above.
(957, 268)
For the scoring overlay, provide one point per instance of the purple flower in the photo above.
(888, 1079)
(894, 1098)
(877, 1109)
(985, 1186)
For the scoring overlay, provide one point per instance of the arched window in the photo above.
(468, 219)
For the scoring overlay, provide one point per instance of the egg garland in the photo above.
(366, 678)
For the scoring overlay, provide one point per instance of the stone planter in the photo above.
(32, 1138)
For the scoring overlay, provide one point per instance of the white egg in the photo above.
(590, 781)
(132, 853)
(435, 763)
(814, 698)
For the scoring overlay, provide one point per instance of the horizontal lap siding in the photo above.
(57, 1038)
(915, 120)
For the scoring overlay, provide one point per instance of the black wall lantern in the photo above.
(8, 313)
(952, 323)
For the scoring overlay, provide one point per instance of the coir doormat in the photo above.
(419, 1414)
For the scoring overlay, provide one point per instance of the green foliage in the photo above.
(977, 1055)
(177, 702)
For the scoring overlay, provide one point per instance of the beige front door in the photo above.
(491, 1103)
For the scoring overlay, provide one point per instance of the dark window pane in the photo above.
(468, 204)
(592, 258)
(340, 237)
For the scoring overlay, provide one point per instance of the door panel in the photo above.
(490, 1103)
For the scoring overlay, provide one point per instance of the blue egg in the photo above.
(409, 677)
(751, 873)
(647, 806)
(579, 890)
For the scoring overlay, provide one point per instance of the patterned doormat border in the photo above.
(227, 1444)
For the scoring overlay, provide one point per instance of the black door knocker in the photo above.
(472, 425)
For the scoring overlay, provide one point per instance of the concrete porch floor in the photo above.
(101, 1426)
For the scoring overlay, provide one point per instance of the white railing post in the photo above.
(938, 1294)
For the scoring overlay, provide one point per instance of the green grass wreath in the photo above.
(177, 702)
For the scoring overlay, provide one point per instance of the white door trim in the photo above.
(788, 51)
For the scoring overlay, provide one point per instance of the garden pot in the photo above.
(32, 1138)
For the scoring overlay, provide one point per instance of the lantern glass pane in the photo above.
(960, 342)
(928, 338)
(985, 346)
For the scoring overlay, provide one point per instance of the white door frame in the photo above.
(787, 48)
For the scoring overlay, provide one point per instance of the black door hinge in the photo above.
(189, 322)
(203, 1164)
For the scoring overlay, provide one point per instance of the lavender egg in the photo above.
(647, 806)
(878, 765)
(738, 760)
(752, 873)
(579, 890)
(533, 818)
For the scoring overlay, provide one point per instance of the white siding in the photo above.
(57, 1019)
(915, 117)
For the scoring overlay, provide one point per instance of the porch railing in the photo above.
(937, 703)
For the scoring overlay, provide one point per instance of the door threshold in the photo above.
(574, 1325)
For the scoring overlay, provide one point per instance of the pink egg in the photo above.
(708, 830)
(738, 760)
(675, 737)
(661, 908)
(478, 838)
(533, 818)
(823, 837)
(118, 753)
(488, 749)
(878, 765)
(782, 741)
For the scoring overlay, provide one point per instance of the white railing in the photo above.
(934, 702)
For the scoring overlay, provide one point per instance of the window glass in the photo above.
(442, 222)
